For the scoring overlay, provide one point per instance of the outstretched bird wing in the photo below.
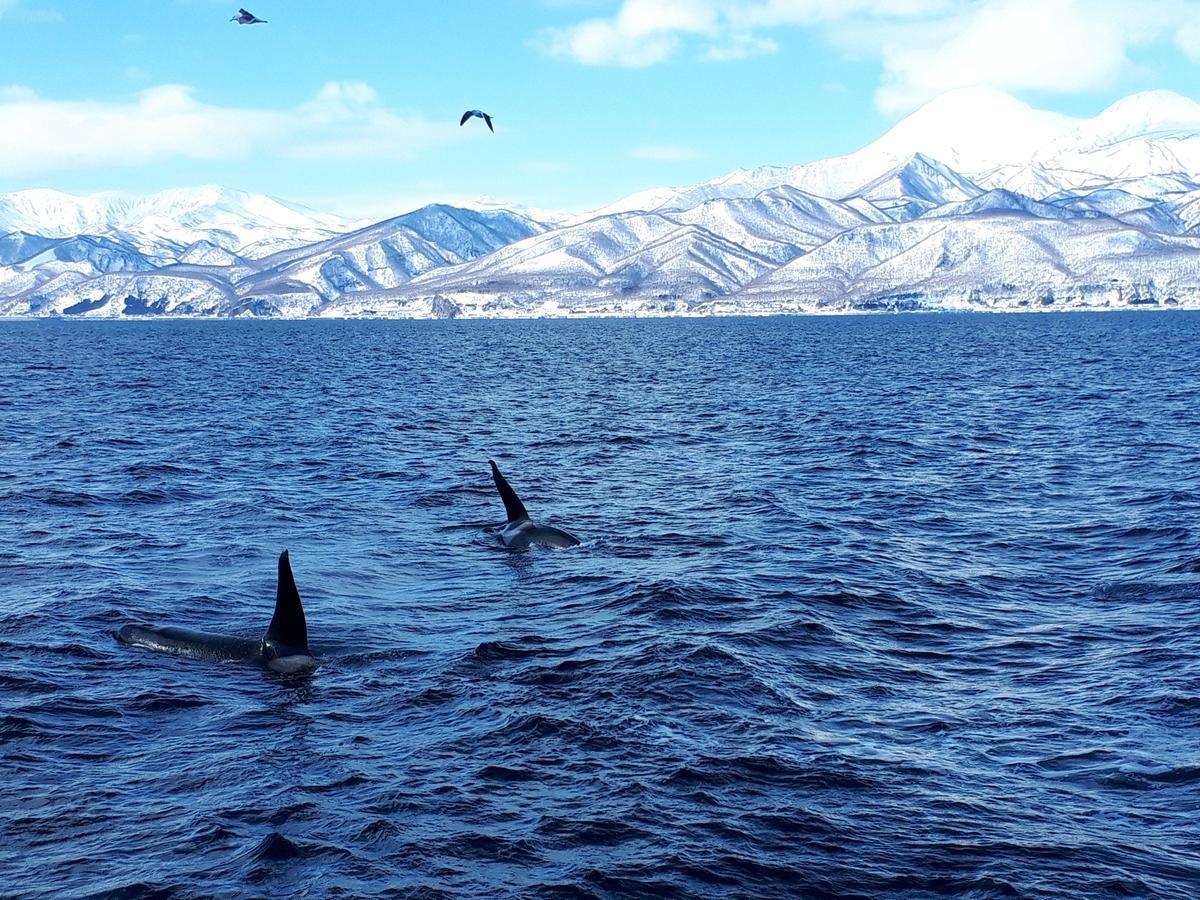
(466, 115)
(488, 119)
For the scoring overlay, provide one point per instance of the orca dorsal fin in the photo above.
(513, 506)
(287, 625)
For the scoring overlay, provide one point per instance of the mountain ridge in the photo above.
(977, 201)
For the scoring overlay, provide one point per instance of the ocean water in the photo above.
(898, 606)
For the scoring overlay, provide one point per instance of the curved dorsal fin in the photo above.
(513, 506)
(288, 626)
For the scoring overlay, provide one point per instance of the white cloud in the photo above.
(664, 153)
(345, 120)
(645, 32)
(642, 33)
(740, 46)
(16, 10)
(926, 47)
(1189, 39)
(1019, 45)
(15, 93)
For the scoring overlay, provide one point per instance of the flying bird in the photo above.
(245, 17)
(480, 114)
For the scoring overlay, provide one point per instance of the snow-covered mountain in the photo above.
(389, 253)
(250, 224)
(93, 276)
(682, 257)
(990, 139)
(975, 201)
(992, 260)
(916, 186)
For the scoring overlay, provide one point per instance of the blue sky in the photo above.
(353, 107)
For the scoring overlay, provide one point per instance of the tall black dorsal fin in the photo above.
(512, 503)
(288, 626)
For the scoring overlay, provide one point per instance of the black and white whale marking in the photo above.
(284, 648)
(519, 531)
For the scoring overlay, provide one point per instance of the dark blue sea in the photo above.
(892, 606)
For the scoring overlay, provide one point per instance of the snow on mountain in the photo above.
(741, 184)
(1186, 209)
(91, 255)
(779, 223)
(1156, 132)
(585, 265)
(19, 246)
(207, 279)
(688, 261)
(574, 256)
(1001, 201)
(111, 296)
(974, 201)
(915, 187)
(49, 213)
(661, 259)
(990, 139)
(206, 253)
(999, 142)
(36, 261)
(231, 219)
(1124, 206)
(539, 214)
(387, 254)
(986, 262)
(1108, 201)
(971, 130)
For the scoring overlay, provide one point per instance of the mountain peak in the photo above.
(971, 99)
(972, 130)
(1147, 113)
(181, 215)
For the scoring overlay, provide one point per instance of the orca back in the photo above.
(288, 627)
(513, 507)
(553, 537)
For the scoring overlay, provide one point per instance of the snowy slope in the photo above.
(228, 218)
(916, 186)
(991, 139)
(986, 261)
(388, 254)
(207, 279)
(703, 252)
(974, 201)
(740, 184)
(779, 223)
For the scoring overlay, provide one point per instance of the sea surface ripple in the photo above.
(898, 606)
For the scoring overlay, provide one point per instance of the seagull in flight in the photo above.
(245, 17)
(479, 113)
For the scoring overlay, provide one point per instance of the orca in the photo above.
(284, 648)
(519, 531)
